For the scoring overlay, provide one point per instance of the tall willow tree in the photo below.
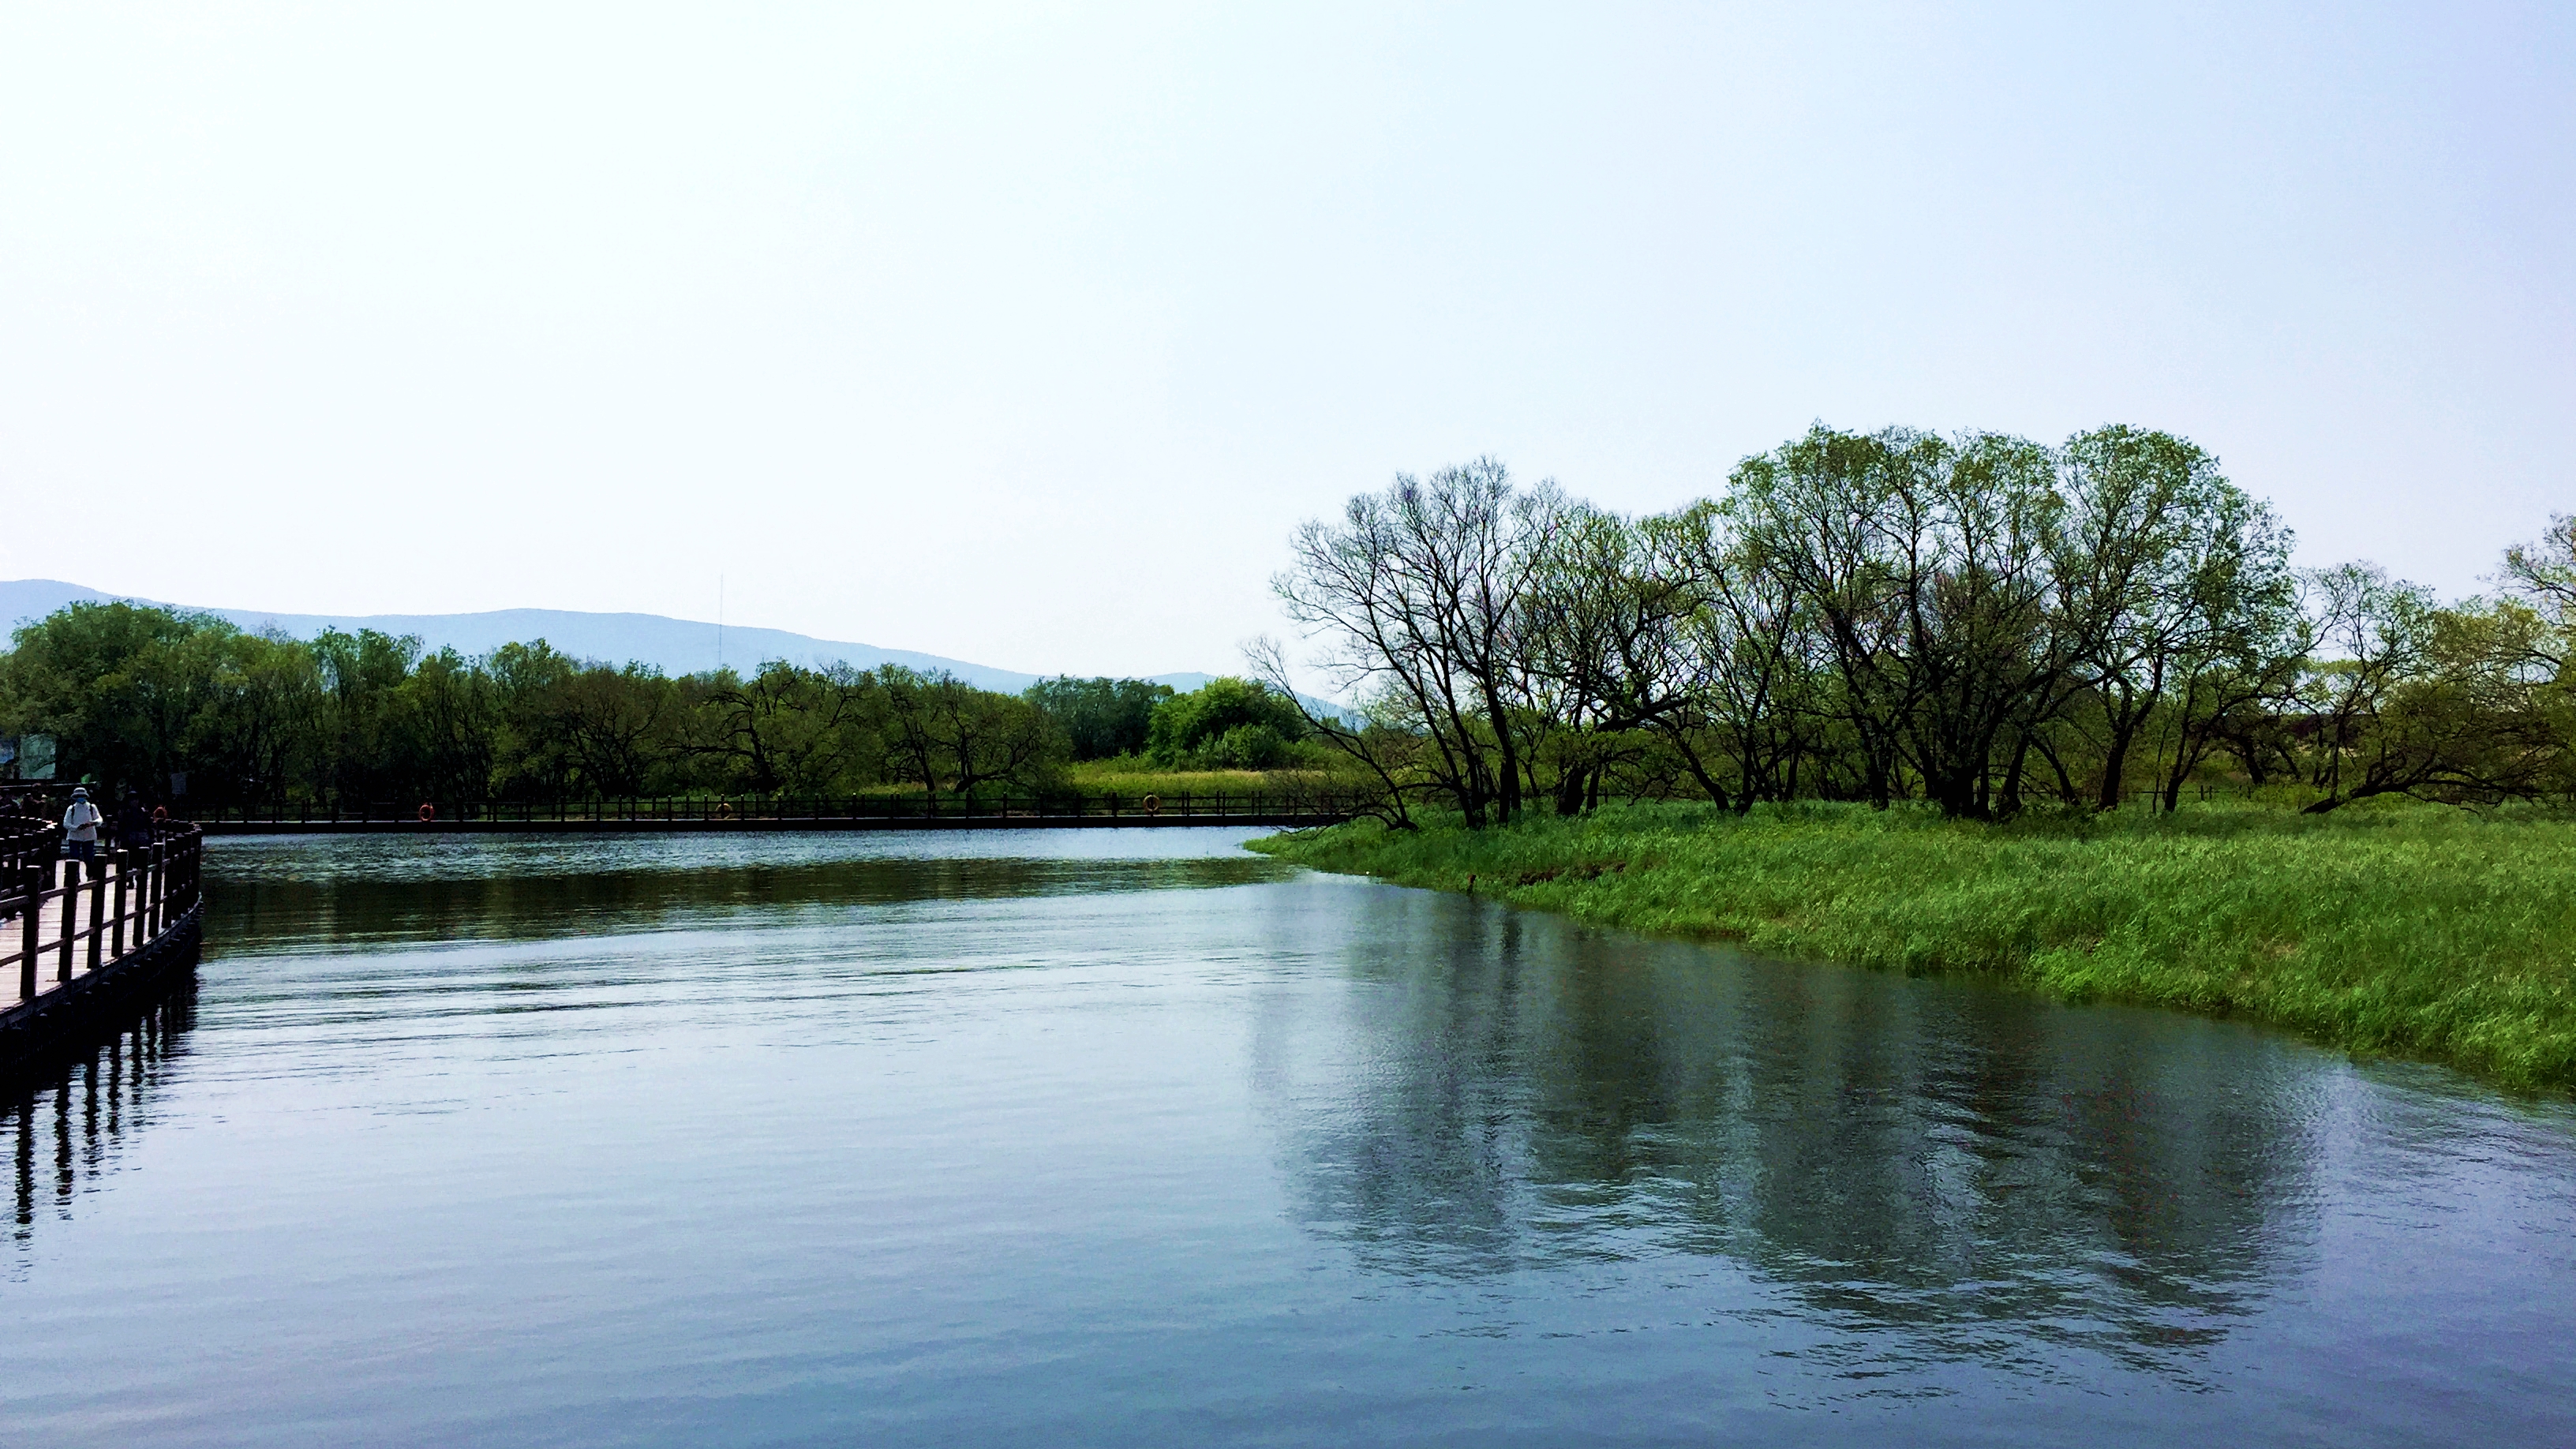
(1972, 620)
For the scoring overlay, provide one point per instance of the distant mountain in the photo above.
(675, 646)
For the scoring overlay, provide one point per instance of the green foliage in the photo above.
(1133, 776)
(1978, 621)
(132, 694)
(135, 694)
(940, 732)
(1228, 723)
(1100, 718)
(2398, 928)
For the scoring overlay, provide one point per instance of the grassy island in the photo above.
(2407, 929)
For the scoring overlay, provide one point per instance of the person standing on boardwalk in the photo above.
(80, 827)
(133, 823)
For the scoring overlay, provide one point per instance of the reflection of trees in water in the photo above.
(67, 1126)
(1420, 1165)
(287, 909)
(1985, 1172)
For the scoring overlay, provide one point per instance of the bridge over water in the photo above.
(84, 943)
(787, 812)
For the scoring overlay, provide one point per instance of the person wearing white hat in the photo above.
(80, 827)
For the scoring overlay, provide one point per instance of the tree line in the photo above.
(165, 701)
(1979, 621)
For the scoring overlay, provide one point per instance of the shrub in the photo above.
(1225, 723)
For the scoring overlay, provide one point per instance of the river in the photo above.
(1134, 1137)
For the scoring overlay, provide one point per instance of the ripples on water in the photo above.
(1112, 1137)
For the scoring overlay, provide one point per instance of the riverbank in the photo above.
(2411, 930)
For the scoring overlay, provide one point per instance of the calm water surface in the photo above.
(1135, 1138)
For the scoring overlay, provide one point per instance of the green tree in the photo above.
(2173, 584)
(371, 752)
(261, 737)
(939, 732)
(2412, 698)
(620, 722)
(449, 704)
(2543, 573)
(1231, 722)
(1419, 594)
(1100, 718)
(1605, 635)
(785, 729)
(1927, 562)
(1747, 659)
(121, 687)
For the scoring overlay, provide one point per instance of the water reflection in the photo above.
(288, 894)
(982, 1141)
(1988, 1174)
(69, 1126)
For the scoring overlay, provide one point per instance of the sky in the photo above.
(1027, 335)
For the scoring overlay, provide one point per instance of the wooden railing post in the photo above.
(71, 912)
(35, 901)
(124, 867)
(97, 927)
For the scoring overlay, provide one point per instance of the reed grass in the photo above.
(2412, 930)
(1131, 775)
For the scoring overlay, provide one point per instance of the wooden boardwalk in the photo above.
(67, 916)
(76, 937)
(794, 812)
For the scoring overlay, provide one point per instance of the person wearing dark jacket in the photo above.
(133, 824)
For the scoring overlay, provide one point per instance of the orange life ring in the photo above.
(1153, 804)
(428, 812)
(724, 809)
(160, 814)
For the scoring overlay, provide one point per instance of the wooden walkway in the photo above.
(74, 934)
(795, 812)
(70, 916)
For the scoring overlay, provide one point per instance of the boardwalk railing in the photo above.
(818, 811)
(69, 926)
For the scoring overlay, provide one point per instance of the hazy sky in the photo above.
(1026, 336)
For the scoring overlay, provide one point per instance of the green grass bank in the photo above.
(2414, 930)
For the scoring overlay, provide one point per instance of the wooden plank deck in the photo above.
(50, 925)
(75, 957)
